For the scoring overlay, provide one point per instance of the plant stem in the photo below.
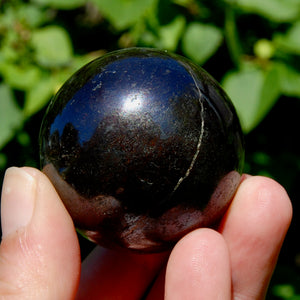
(231, 36)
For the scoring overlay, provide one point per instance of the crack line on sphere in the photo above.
(187, 173)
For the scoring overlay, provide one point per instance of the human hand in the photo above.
(40, 255)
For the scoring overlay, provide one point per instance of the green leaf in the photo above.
(275, 10)
(253, 93)
(289, 80)
(243, 87)
(7, 51)
(11, 117)
(52, 45)
(200, 41)
(289, 42)
(124, 13)
(164, 37)
(31, 15)
(37, 97)
(23, 138)
(171, 33)
(284, 291)
(19, 77)
(270, 92)
(61, 4)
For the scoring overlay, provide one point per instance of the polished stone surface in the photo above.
(142, 146)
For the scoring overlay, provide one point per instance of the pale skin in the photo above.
(40, 254)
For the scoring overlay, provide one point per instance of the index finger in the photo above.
(110, 274)
(254, 228)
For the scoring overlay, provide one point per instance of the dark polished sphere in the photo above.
(142, 146)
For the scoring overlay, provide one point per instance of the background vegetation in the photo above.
(251, 47)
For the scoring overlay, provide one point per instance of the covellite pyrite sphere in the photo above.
(142, 146)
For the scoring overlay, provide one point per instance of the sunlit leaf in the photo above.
(269, 94)
(289, 80)
(200, 41)
(124, 13)
(276, 10)
(253, 92)
(11, 117)
(244, 90)
(31, 15)
(37, 97)
(289, 42)
(52, 46)
(165, 37)
(18, 76)
(8, 52)
(61, 4)
(171, 33)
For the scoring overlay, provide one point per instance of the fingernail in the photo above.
(17, 201)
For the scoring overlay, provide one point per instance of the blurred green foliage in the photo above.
(251, 46)
(37, 52)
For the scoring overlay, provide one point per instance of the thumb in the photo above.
(39, 251)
